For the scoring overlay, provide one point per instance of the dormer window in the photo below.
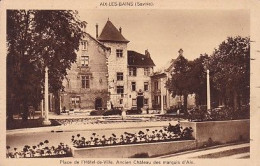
(132, 71)
(147, 71)
(119, 53)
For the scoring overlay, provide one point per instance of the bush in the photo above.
(94, 112)
(97, 112)
(134, 111)
(218, 114)
(171, 110)
(113, 112)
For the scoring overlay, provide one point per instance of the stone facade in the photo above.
(101, 77)
(86, 85)
(117, 65)
(140, 81)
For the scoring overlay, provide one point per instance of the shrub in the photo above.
(113, 112)
(134, 111)
(94, 112)
(218, 114)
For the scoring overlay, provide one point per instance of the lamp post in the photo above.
(46, 120)
(42, 107)
(206, 67)
(208, 90)
(162, 111)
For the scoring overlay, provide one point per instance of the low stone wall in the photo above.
(126, 151)
(219, 131)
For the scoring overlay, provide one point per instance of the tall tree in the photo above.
(35, 39)
(198, 78)
(180, 80)
(230, 67)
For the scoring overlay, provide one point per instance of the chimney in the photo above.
(120, 30)
(96, 30)
(147, 53)
(85, 26)
(180, 52)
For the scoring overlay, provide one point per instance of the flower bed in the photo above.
(169, 133)
(102, 120)
(42, 150)
(127, 144)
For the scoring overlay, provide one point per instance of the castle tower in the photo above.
(117, 63)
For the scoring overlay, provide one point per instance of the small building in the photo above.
(159, 80)
(140, 67)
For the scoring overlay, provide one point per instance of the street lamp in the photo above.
(162, 111)
(206, 66)
(46, 120)
(208, 90)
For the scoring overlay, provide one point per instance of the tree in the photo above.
(180, 82)
(198, 78)
(230, 68)
(35, 39)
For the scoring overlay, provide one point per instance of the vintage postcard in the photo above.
(130, 82)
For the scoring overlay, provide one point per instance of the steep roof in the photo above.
(136, 59)
(98, 42)
(111, 33)
(169, 65)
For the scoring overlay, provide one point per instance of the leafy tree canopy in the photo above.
(35, 39)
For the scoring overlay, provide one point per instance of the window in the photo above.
(156, 85)
(85, 81)
(164, 99)
(119, 53)
(120, 89)
(75, 100)
(133, 102)
(133, 86)
(84, 45)
(84, 61)
(147, 71)
(120, 76)
(132, 71)
(146, 101)
(146, 85)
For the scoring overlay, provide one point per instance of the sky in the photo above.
(164, 32)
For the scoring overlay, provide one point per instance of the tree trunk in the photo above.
(185, 103)
(25, 110)
(57, 102)
(235, 100)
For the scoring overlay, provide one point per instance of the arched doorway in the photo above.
(98, 103)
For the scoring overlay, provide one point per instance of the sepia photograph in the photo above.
(116, 86)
